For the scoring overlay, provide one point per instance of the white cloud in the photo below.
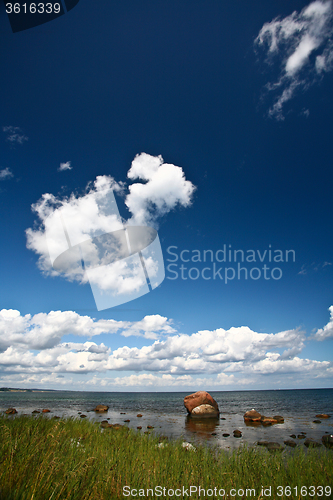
(327, 331)
(302, 45)
(33, 346)
(164, 188)
(45, 330)
(76, 219)
(6, 173)
(14, 135)
(65, 166)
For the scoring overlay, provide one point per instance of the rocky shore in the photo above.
(207, 423)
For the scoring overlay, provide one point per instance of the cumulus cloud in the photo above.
(327, 331)
(302, 46)
(45, 330)
(6, 173)
(72, 220)
(14, 135)
(32, 348)
(65, 166)
(88, 220)
(164, 188)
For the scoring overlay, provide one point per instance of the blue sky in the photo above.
(237, 101)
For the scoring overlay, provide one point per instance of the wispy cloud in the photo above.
(65, 166)
(14, 135)
(314, 267)
(302, 47)
(6, 173)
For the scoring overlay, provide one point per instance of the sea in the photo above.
(165, 412)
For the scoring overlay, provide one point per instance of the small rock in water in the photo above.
(128, 420)
(36, 411)
(323, 415)
(101, 408)
(225, 435)
(301, 436)
(150, 427)
(252, 416)
(237, 433)
(139, 427)
(83, 416)
(317, 421)
(11, 411)
(46, 411)
(293, 436)
(139, 415)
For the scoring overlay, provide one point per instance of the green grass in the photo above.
(46, 459)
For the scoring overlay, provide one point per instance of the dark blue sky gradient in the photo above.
(109, 80)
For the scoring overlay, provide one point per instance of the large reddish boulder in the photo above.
(199, 398)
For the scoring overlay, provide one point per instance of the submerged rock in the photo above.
(323, 415)
(268, 421)
(199, 398)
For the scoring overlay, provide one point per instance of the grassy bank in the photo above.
(43, 459)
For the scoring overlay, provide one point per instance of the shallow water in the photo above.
(166, 413)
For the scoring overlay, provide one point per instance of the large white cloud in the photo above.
(303, 48)
(84, 219)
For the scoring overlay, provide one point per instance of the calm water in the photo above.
(166, 412)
